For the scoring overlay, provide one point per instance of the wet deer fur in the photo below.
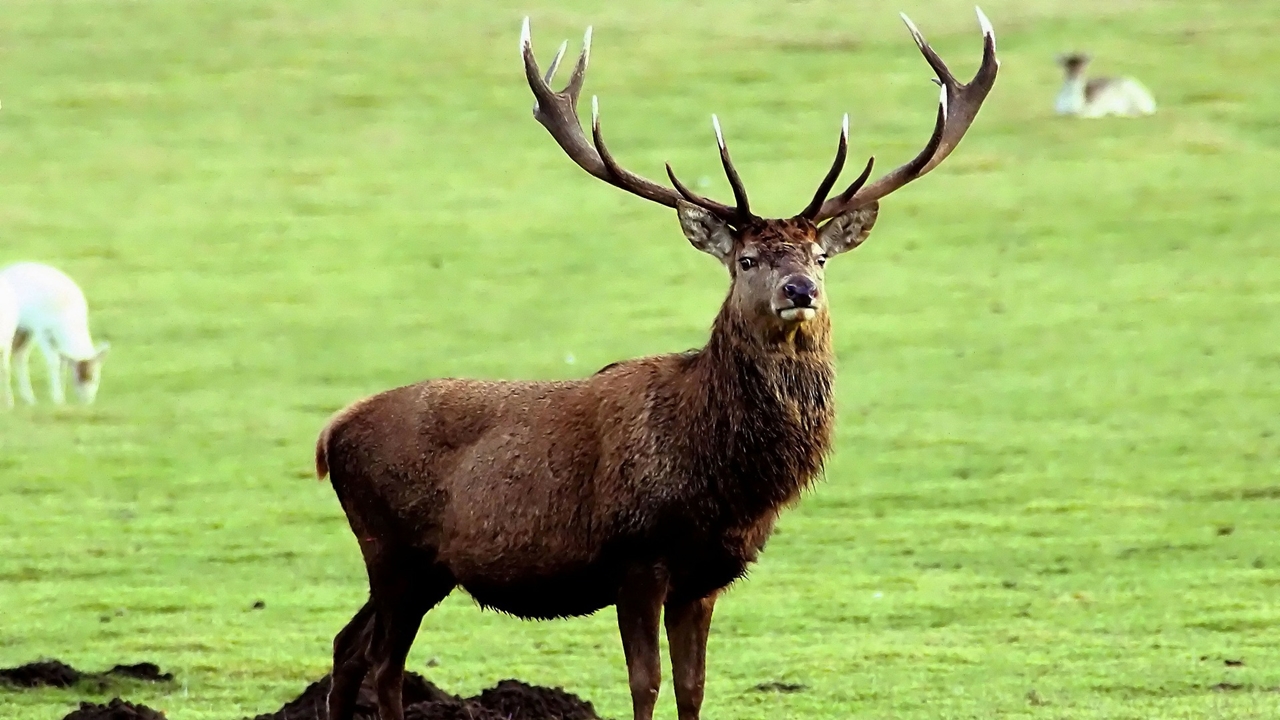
(651, 485)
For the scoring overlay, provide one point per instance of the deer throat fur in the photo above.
(758, 417)
(764, 415)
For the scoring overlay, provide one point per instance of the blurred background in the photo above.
(1055, 488)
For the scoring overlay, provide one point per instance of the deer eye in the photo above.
(822, 260)
(746, 263)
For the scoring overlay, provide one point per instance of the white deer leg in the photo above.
(54, 361)
(6, 360)
(21, 375)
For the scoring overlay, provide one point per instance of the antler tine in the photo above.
(540, 87)
(739, 190)
(688, 194)
(739, 214)
(930, 56)
(558, 113)
(837, 166)
(958, 105)
(857, 184)
(555, 63)
(580, 68)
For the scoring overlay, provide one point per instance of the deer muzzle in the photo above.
(800, 300)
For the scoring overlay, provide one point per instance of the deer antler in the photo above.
(558, 113)
(958, 104)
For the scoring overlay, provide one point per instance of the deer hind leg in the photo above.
(350, 663)
(401, 593)
(639, 616)
(688, 624)
(21, 373)
(6, 362)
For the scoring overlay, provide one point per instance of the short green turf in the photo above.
(1055, 492)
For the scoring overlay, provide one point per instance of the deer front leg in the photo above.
(56, 365)
(639, 611)
(688, 624)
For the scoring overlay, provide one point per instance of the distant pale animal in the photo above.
(8, 329)
(53, 315)
(1099, 96)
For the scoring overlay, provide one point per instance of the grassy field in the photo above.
(1056, 490)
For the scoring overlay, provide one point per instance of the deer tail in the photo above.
(322, 451)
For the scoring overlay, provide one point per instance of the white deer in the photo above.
(52, 314)
(1099, 96)
(8, 329)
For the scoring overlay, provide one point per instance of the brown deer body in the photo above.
(651, 485)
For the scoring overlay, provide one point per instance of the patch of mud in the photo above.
(117, 709)
(508, 700)
(55, 673)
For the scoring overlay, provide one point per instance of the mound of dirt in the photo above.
(508, 700)
(515, 700)
(46, 673)
(312, 703)
(55, 673)
(149, 672)
(117, 709)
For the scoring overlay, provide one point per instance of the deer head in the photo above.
(87, 374)
(776, 265)
(1073, 63)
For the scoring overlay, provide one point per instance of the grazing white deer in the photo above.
(1099, 96)
(8, 329)
(53, 314)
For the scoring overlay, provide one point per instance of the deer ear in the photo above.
(847, 231)
(705, 231)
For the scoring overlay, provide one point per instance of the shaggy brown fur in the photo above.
(537, 496)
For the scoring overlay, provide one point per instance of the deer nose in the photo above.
(800, 290)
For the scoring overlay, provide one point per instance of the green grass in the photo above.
(1055, 492)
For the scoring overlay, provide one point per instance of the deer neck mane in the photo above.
(765, 411)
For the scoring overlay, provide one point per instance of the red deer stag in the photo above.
(651, 485)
